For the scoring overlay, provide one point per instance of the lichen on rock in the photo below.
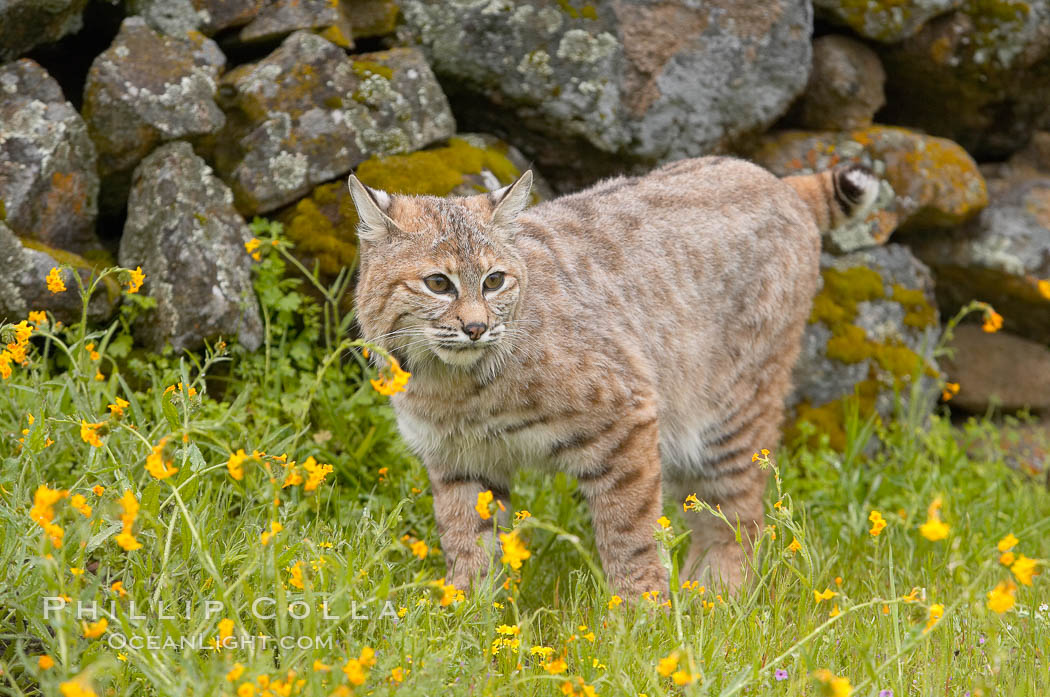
(634, 81)
(25, 24)
(872, 332)
(48, 183)
(184, 232)
(323, 225)
(308, 113)
(932, 182)
(148, 88)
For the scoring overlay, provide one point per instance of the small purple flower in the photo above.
(885, 693)
(780, 674)
(980, 640)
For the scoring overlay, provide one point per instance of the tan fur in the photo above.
(643, 343)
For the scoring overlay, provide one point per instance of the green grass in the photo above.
(305, 395)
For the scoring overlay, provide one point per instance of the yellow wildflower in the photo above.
(315, 473)
(54, 280)
(45, 662)
(79, 504)
(521, 515)
(1024, 569)
(392, 379)
(38, 317)
(514, 550)
(118, 588)
(1001, 598)
(836, 686)
(663, 522)
(235, 465)
(936, 612)
(420, 549)
(397, 674)
(135, 279)
(74, 688)
(89, 433)
(246, 689)
(268, 535)
(1007, 543)
(681, 677)
(482, 506)
(156, 464)
(993, 321)
(934, 529)
(691, 503)
(296, 572)
(795, 545)
(43, 512)
(615, 601)
(95, 629)
(828, 594)
(556, 667)
(449, 593)
(125, 538)
(92, 353)
(667, 665)
(118, 408)
(950, 390)
(877, 523)
(251, 245)
(235, 673)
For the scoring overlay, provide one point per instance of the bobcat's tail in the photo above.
(838, 195)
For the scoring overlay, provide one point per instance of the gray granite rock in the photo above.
(28, 23)
(884, 20)
(279, 18)
(148, 88)
(48, 183)
(217, 15)
(308, 113)
(873, 330)
(23, 287)
(844, 89)
(592, 88)
(1001, 257)
(979, 75)
(184, 232)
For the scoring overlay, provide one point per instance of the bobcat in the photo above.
(638, 335)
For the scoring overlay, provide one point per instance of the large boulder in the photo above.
(934, 182)
(1001, 257)
(308, 113)
(373, 17)
(217, 15)
(28, 23)
(145, 89)
(184, 232)
(884, 20)
(48, 184)
(592, 88)
(278, 18)
(872, 333)
(844, 89)
(323, 225)
(23, 288)
(979, 75)
(997, 370)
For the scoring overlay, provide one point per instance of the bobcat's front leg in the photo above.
(625, 498)
(467, 539)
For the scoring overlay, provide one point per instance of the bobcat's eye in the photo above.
(438, 283)
(494, 280)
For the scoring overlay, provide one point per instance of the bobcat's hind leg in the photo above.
(724, 475)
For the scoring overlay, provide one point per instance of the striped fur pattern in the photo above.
(642, 341)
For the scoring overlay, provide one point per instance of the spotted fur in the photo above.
(642, 342)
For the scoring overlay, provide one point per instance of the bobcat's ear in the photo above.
(372, 206)
(511, 200)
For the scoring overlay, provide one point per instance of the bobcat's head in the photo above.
(440, 278)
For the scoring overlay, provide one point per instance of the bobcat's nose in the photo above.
(474, 330)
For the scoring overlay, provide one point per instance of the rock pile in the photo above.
(202, 113)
